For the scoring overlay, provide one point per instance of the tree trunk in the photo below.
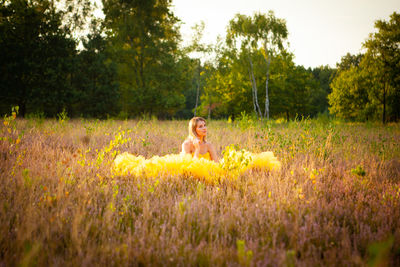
(253, 80)
(197, 99)
(136, 67)
(197, 91)
(384, 104)
(22, 108)
(266, 110)
(142, 78)
(252, 94)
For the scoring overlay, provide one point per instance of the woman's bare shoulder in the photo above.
(187, 143)
(209, 145)
(212, 152)
(187, 146)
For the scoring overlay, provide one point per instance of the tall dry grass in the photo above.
(335, 202)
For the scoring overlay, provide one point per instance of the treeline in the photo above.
(255, 73)
(367, 86)
(132, 63)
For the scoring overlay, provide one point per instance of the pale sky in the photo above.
(320, 31)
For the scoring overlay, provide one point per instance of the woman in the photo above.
(196, 143)
(198, 159)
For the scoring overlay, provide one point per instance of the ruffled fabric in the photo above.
(231, 166)
(204, 156)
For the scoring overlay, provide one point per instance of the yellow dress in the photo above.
(203, 168)
(206, 156)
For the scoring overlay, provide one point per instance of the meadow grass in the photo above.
(334, 202)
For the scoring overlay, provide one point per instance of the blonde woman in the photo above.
(198, 159)
(196, 143)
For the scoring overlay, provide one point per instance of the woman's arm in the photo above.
(213, 153)
(196, 144)
(186, 147)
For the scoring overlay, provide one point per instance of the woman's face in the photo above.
(201, 129)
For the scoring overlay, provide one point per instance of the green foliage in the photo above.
(379, 252)
(383, 60)
(119, 139)
(96, 89)
(349, 61)
(261, 30)
(234, 159)
(63, 116)
(9, 121)
(368, 86)
(244, 256)
(246, 121)
(323, 75)
(250, 45)
(349, 97)
(36, 54)
(42, 71)
(37, 117)
(290, 258)
(292, 89)
(27, 178)
(131, 64)
(358, 171)
(296, 92)
(12, 134)
(144, 40)
(263, 33)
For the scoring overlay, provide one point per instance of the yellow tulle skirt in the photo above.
(233, 164)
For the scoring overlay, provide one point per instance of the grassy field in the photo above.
(334, 202)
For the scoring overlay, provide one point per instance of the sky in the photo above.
(320, 31)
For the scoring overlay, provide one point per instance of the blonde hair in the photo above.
(192, 128)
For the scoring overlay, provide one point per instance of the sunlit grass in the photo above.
(335, 200)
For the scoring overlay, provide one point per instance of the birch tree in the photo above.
(198, 50)
(262, 32)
